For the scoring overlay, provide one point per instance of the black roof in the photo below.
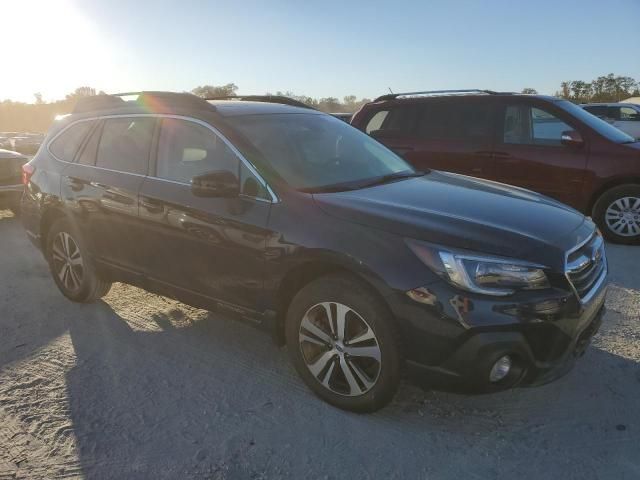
(233, 108)
(168, 102)
(264, 98)
(425, 95)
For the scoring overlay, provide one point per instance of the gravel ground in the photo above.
(139, 386)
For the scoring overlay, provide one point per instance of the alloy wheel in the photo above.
(623, 216)
(340, 349)
(67, 261)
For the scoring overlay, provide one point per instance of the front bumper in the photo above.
(453, 340)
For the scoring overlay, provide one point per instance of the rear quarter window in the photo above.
(375, 122)
(66, 145)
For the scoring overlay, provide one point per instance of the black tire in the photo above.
(367, 312)
(622, 231)
(90, 286)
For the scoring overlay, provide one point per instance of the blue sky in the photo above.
(328, 48)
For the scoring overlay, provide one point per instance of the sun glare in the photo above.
(49, 47)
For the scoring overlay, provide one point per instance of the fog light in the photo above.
(500, 369)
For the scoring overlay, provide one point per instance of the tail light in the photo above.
(27, 172)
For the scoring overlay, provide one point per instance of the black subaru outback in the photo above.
(309, 228)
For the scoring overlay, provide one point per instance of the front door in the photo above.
(213, 247)
(528, 152)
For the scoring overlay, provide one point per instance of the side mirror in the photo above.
(221, 183)
(571, 138)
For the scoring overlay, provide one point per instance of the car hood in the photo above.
(465, 213)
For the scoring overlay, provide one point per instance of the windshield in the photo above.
(315, 152)
(599, 125)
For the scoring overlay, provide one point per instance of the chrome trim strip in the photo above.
(587, 298)
(247, 163)
(581, 244)
(603, 275)
(259, 199)
(11, 188)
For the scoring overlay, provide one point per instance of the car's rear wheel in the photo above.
(343, 344)
(617, 213)
(73, 270)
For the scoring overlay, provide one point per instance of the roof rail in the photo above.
(263, 98)
(97, 102)
(391, 96)
(149, 99)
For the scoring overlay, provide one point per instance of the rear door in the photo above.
(213, 247)
(102, 188)
(528, 151)
(449, 134)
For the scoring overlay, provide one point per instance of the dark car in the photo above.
(301, 224)
(541, 143)
(345, 117)
(11, 179)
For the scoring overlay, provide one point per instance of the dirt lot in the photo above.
(139, 386)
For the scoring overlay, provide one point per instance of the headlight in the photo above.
(480, 273)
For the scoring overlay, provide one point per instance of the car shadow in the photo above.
(168, 396)
(24, 329)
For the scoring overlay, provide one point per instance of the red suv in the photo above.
(537, 142)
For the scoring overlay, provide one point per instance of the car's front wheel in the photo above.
(72, 268)
(343, 343)
(617, 213)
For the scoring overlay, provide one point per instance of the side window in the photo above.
(187, 149)
(613, 113)
(629, 114)
(88, 153)
(375, 123)
(455, 121)
(527, 125)
(597, 110)
(125, 143)
(66, 145)
(400, 119)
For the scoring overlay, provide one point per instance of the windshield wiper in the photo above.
(337, 187)
(392, 177)
(357, 185)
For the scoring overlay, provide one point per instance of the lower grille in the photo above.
(586, 265)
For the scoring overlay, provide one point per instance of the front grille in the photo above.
(586, 265)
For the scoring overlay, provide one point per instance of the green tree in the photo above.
(81, 92)
(605, 88)
(529, 91)
(205, 91)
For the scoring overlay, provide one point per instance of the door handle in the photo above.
(151, 205)
(77, 184)
(484, 154)
(501, 155)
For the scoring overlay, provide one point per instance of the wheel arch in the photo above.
(608, 185)
(49, 217)
(304, 273)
